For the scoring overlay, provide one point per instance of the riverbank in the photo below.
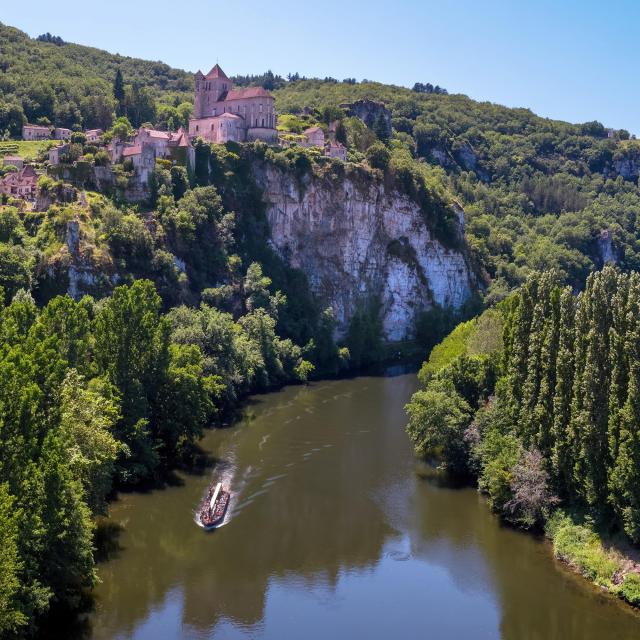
(606, 563)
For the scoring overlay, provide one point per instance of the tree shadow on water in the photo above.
(106, 539)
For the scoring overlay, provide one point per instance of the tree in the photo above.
(119, 93)
(438, 418)
(121, 129)
(341, 133)
(132, 350)
(378, 156)
(87, 418)
(256, 288)
(381, 128)
(531, 497)
(11, 617)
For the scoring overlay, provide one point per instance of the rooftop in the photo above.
(216, 72)
(249, 92)
(132, 151)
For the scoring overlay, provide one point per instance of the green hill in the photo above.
(72, 84)
(537, 193)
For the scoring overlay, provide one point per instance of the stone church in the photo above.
(222, 113)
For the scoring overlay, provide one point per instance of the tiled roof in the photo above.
(158, 135)
(216, 72)
(230, 115)
(311, 130)
(132, 151)
(249, 92)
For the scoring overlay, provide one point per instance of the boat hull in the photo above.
(211, 517)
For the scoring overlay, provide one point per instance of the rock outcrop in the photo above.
(369, 111)
(356, 240)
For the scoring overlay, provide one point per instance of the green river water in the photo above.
(331, 534)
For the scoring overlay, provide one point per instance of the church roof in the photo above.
(216, 72)
(249, 92)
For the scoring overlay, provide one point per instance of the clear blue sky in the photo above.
(575, 60)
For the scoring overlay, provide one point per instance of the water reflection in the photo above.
(331, 534)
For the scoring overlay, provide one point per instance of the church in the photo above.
(222, 113)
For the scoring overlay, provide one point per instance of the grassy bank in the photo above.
(599, 560)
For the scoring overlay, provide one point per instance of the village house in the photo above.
(21, 184)
(222, 113)
(60, 133)
(167, 144)
(314, 137)
(56, 153)
(35, 132)
(93, 135)
(14, 161)
(336, 150)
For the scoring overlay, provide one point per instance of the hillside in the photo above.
(537, 193)
(72, 84)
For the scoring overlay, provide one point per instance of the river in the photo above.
(332, 534)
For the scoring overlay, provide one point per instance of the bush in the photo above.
(378, 156)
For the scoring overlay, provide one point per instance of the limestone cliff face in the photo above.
(355, 240)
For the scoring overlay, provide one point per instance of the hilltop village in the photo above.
(221, 114)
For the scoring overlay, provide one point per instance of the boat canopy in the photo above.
(215, 495)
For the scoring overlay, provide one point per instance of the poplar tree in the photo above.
(561, 454)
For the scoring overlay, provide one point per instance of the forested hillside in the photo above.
(71, 84)
(537, 193)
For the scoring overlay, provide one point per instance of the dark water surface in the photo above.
(332, 535)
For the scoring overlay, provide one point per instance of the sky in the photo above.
(574, 60)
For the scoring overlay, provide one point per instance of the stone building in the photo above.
(93, 135)
(21, 184)
(15, 161)
(222, 113)
(60, 133)
(35, 132)
(314, 137)
(56, 153)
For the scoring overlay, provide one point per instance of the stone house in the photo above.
(22, 184)
(35, 132)
(222, 113)
(55, 153)
(60, 133)
(93, 135)
(15, 161)
(336, 150)
(314, 137)
(165, 143)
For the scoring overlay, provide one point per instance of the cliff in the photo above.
(356, 240)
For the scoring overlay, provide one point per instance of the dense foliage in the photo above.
(69, 85)
(97, 393)
(537, 193)
(555, 416)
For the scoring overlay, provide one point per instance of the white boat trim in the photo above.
(215, 495)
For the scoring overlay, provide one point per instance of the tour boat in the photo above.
(213, 508)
